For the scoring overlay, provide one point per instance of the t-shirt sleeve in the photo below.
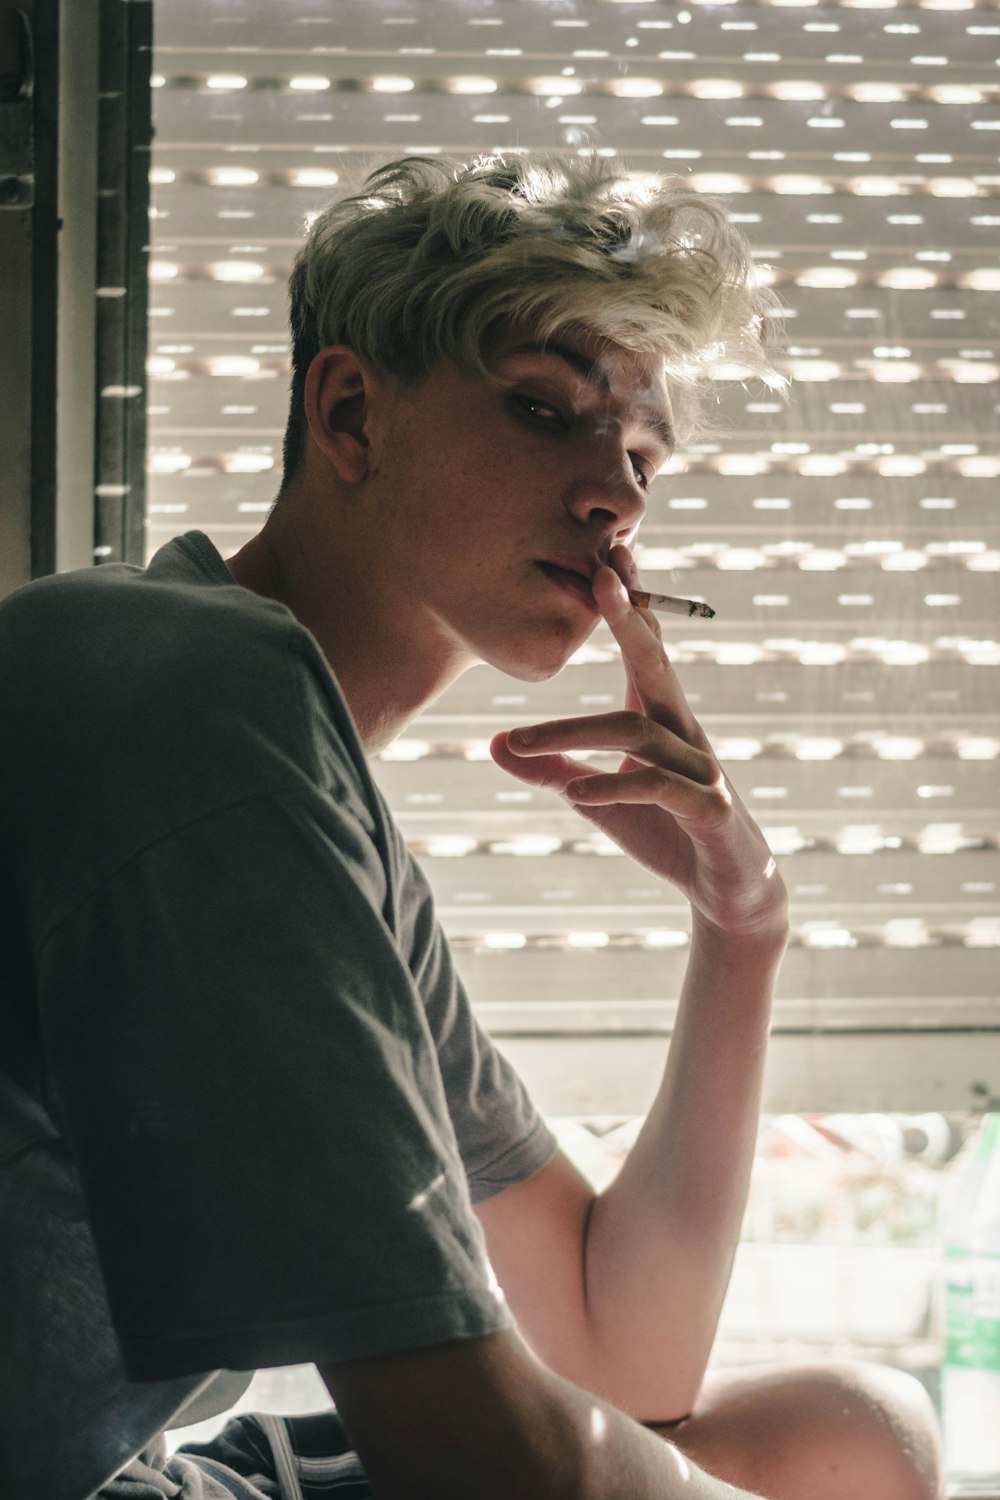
(501, 1136)
(247, 1080)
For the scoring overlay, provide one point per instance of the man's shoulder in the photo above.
(188, 689)
(121, 632)
(135, 704)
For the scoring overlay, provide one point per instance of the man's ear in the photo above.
(337, 399)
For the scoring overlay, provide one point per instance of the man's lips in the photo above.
(571, 583)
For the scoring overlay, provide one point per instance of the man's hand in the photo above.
(669, 805)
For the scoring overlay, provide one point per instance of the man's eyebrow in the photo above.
(594, 374)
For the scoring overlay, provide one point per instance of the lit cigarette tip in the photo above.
(671, 604)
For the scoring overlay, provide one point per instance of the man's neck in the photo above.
(388, 664)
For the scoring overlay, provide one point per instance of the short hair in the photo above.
(436, 261)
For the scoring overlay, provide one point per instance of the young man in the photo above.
(245, 1110)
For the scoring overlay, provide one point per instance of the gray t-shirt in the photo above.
(244, 1103)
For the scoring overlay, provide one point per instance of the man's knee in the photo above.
(817, 1431)
(881, 1420)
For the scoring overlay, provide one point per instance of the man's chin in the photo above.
(535, 664)
(532, 653)
(534, 673)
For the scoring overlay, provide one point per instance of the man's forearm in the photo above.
(620, 1461)
(660, 1240)
(482, 1417)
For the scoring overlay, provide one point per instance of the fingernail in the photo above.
(524, 736)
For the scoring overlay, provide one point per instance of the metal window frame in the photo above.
(75, 134)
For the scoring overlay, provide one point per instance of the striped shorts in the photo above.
(283, 1458)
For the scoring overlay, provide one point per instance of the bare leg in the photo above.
(817, 1432)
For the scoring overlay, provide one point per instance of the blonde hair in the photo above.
(437, 261)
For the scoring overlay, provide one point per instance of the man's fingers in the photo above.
(684, 798)
(548, 770)
(645, 658)
(624, 565)
(633, 734)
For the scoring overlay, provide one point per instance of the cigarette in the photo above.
(671, 604)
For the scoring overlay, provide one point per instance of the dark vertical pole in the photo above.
(29, 124)
(124, 133)
(45, 251)
(76, 397)
(17, 166)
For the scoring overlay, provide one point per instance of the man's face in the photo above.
(503, 498)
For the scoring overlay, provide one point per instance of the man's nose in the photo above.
(611, 495)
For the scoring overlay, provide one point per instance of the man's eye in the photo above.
(642, 475)
(543, 410)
